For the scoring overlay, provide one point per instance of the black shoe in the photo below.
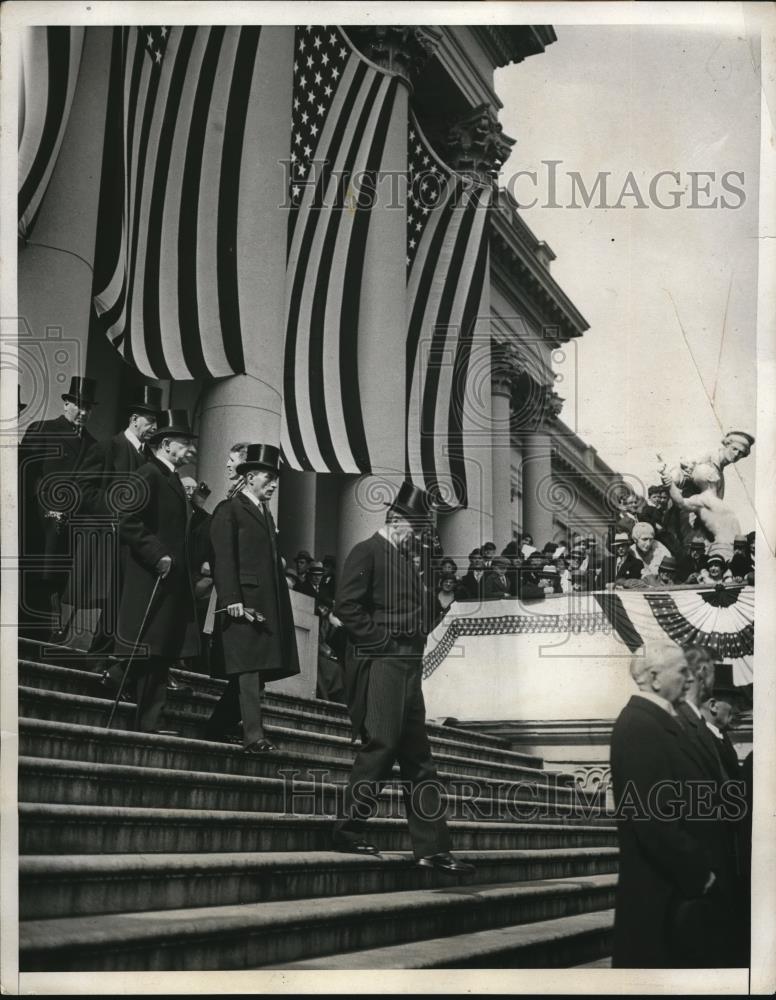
(446, 863)
(356, 845)
(260, 747)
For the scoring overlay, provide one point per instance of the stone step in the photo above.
(188, 713)
(47, 828)
(557, 943)
(52, 654)
(85, 783)
(247, 935)
(62, 741)
(58, 886)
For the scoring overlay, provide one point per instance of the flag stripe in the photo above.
(228, 197)
(46, 111)
(351, 395)
(300, 267)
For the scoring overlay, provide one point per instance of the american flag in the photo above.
(447, 278)
(50, 60)
(174, 264)
(342, 110)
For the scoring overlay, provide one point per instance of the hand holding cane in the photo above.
(134, 650)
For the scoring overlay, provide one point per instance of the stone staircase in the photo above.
(170, 853)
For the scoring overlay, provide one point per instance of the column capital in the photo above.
(506, 365)
(553, 405)
(477, 144)
(403, 49)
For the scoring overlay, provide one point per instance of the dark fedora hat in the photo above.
(260, 456)
(173, 423)
(81, 391)
(147, 399)
(412, 503)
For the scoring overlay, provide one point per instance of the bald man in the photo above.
(669, 910)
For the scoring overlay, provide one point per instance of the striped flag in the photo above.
(50, 59)
(342, 110)
(447, 272)
(175, 267)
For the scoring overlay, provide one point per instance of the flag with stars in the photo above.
(342, 110)
(447, 276)
(50, 60)
(175, 262)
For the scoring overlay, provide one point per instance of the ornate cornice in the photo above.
(402, 49)
(506, 366)
(477, 144)
(504, 44)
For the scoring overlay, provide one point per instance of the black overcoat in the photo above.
(159, 528)
(380, 597)
(50, 456)
(111, 488)
(248, 570)
(665, 859)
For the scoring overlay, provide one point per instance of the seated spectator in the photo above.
(472, 582)
(291, 578)
(303, 560)
(580, 579)
(329, 573)
(512, 553)
(657, 512)
(627, 514)
(549, 580)
(593, 555)
(445, 595)
(447, 567)
(740, 564)
(527, 545)
(528, 578)
(716, 571)
(497, 583)
(667, 573)
(332, 639)
(488, 551)
(621, 564)
(315, 577)
(564, 574)
(647, 549)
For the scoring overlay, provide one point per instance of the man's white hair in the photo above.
(648, 658)
(641, 529)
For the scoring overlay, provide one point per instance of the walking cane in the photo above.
(132, 655)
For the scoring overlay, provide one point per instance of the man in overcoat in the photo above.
(670, 904)
(157, 535)
(51, 454)
(109, 482)
(383, 605)
(255, 632)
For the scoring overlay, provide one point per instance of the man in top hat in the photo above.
(157, 605)
(255, 634)
(109, 477)
(385, 609)
(50, 455)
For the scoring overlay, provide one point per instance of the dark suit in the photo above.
(496, 585)
(159, 528)
(663, 919)
(383, 605)
(50, 455)
(248, 570)
(471, 587)
(630, 569)
(110, 486)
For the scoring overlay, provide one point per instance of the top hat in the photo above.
(260, 456)
(147, 400)
(172, 423)
(412, 503)
(81, 391)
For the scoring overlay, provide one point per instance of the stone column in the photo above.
(247, 407)
(539, 500)
(296, 516)
(382, 333)
(503, 373)
(55, 265)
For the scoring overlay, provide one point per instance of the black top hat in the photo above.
(147, 400)
(260, 456)
(81, 391)
(412, 502)
(172, 423)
